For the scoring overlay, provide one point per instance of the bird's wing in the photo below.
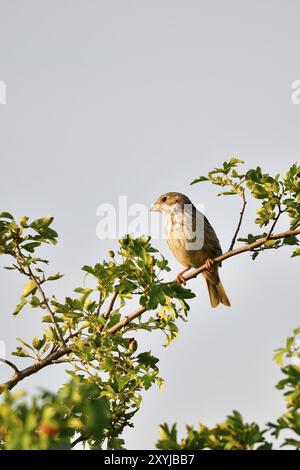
(194, 226)
(211, 245)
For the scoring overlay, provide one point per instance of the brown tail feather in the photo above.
(222, 294)
(217, 293)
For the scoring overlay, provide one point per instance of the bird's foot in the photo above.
(180, 279)
(209, 264)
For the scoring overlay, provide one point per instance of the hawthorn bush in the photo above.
(92, 333)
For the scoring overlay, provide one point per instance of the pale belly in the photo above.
(179, 238)
(188, 258)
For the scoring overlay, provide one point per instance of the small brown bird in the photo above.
(192, 240)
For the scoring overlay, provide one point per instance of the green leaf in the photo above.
(199, 180)
(156, 296)
(35, 342)
(43, 222)
(29, 287)
(24, 221)
(254, 175)
(30, 247)
(148, 360)
(259, 192)
(122, 381)
(235, 161)
(181, 292)
(38, 343)
(116, 443)
(6, 215)
(126, 286)
(20, 352)
(296, 253)
(227, 193)
(278, 357)
(290, 241)
(55, 277)
(114, 318)
(25, 344)
(148, 381)
(20, 306)
(35, 301)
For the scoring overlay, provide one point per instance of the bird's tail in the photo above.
(216, 292)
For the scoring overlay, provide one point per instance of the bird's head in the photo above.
(166, 202)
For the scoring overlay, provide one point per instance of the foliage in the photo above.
(290, 385)
(276, 196)
(101, 364)
(93, 334)
(77, 407)
(234, 434)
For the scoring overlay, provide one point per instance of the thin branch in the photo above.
(81, 438)
(244, 249)
(47, 306)
(63, 361)
(280, 211)
(111, 305)
(36, 280)
(127, 320)
(110, 308)
(54, 356)
(11, 364)
(196, 272)
(99, 303)
(22, 374)
(240, 221)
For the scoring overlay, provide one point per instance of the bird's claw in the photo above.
(209, 264)
(180, 279)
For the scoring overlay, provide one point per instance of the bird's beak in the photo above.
(155, 207)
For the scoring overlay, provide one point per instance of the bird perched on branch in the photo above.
(192, 240)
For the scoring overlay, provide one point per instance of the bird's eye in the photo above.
(164, 199)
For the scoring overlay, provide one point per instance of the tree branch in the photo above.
(99, 303)
(280, 211)
(81, 438)
(240, 221)
(54, 356)
(126, 320)
(36, 280)
(244, 249)
(22, 374)
(111, 305)
(11, 364)
(47, 306)
(196, 272)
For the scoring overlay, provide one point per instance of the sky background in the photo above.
(137, 98)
